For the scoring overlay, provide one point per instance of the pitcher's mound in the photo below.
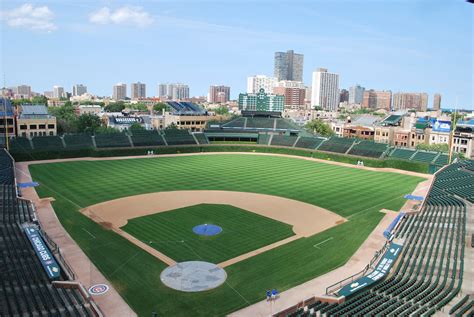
(193, 276)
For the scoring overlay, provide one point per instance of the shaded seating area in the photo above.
(201, 138)
(308, 142)
(263, 139)
(78, 141)
(283, 140)
(47, 143)
(178, 137)
(260, 123)
(426, 157)
(110, 140)
(20, 145)
(337, 145)
(369, 149)
(404, 154)
(146, 138)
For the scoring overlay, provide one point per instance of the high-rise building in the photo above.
(137, 90)
(294, 92)
(404, 100)
(437, 102)
(219, 94)
(257, 82)
(176, 91)
(344, 95)
(261, 102)
(24, 91)
(289, 66)
(58, 92)
(377, 99)
(325, 92)
(119, 91)
(79, 90)
(356, 94)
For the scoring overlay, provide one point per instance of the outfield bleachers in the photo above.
(308, 142)
(425, 157)
(178, 137)
(429, 272)
(285, 124)
(201, 138)
(20, 145)
(283, 140)
(337, 145)
(111, 140)
(260, 123)
(369, 149)
(25, 289)
(236, 123)
(263, 139)
(78, 141)
(146, 138)
(403, 154)
(47, 143)
(442, 159)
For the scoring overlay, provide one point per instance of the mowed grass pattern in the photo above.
(242, 231)
(354, 193)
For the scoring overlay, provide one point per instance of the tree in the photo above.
(136, 127)
(106, 130)
(222, 110)
(160, 106)
(139, 106)
(66, 117)
(320, 127)
(39, 100)
(88, 122)
(115, 106)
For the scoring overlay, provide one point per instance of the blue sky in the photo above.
(401, 45)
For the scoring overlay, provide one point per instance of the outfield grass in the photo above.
(353, 193)
(172, 233)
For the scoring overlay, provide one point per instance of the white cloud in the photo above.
(127, 15)
(30, 17)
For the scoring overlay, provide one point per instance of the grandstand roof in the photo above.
(34, 111)
(5, 104)
(392, 120)
(186, 108)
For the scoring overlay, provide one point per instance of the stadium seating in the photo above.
(263, 139)
(283, 140)
(178, 137)
(20, 145)
(286, 124)
(308, 142)
(430, 269)
(369, 149)
(110, 140)
(236, 123)
(404, 154)
(337, 145)
(146, 138)
(425, 157)
(78, 141)
(260, 123)
(442, 159)
(25, 289)
(47, 143)
(201, 138)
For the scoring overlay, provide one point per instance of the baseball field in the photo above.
(355, 194)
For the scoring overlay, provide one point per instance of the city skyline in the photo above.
(374, 54)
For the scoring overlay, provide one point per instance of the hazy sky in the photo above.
(398, 45)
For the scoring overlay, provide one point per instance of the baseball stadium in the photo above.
(249, 218)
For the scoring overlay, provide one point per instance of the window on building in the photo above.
(50, 126)
(42, 126)
(51, 133)
(32, 126)
(23, 127)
